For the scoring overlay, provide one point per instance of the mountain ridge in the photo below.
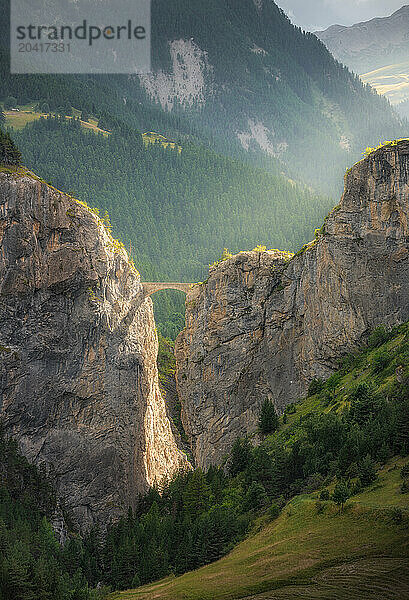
(377, 49)
(402, 10)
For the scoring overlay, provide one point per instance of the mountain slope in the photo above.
(309, 552)
(372, 43)
(239, 76)
(247, 74)
(313, 549)
(376, 49)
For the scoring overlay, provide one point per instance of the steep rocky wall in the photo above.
(78, 376)
(263, 325)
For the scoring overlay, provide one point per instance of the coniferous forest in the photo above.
(175, 212)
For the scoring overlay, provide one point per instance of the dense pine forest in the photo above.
(332, 442)
(33, 564)
(175, 212)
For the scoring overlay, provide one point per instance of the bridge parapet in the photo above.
(150, 288)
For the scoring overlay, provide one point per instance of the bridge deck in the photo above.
(150, 287)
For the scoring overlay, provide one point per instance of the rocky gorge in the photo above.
(79, 386)
(265, 324)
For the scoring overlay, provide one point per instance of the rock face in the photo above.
(78, 376)
(264, 324)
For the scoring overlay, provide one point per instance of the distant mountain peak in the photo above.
(368, 46)
(404, 10)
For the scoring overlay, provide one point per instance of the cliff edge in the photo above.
(265, 324)
(78, 348)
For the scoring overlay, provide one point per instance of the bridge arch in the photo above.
(150, 288)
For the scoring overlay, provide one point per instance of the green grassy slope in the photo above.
(313, 549)
(302, 547)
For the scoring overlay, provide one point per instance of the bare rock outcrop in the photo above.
(264, 325)
(78, 347)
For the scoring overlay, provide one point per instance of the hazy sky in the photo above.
(319, 14)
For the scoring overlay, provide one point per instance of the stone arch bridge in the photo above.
(150, 288)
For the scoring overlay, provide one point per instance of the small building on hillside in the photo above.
(150, 137)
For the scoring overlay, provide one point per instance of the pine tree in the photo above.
(402, 427)
(197, 493)
(17, 581)
(261, 468)
(10, 102)
(10, 155)
(341, 494)
(367, 471)
(256, 496)
(240, 456)
(268, 420)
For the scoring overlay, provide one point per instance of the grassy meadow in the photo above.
(310, 551)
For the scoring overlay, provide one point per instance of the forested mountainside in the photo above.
(264, 122)
(239, 75)
(334, 447)
(176, 211)
(254, 77)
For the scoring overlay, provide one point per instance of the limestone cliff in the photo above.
(78, 347)
(264, 324)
